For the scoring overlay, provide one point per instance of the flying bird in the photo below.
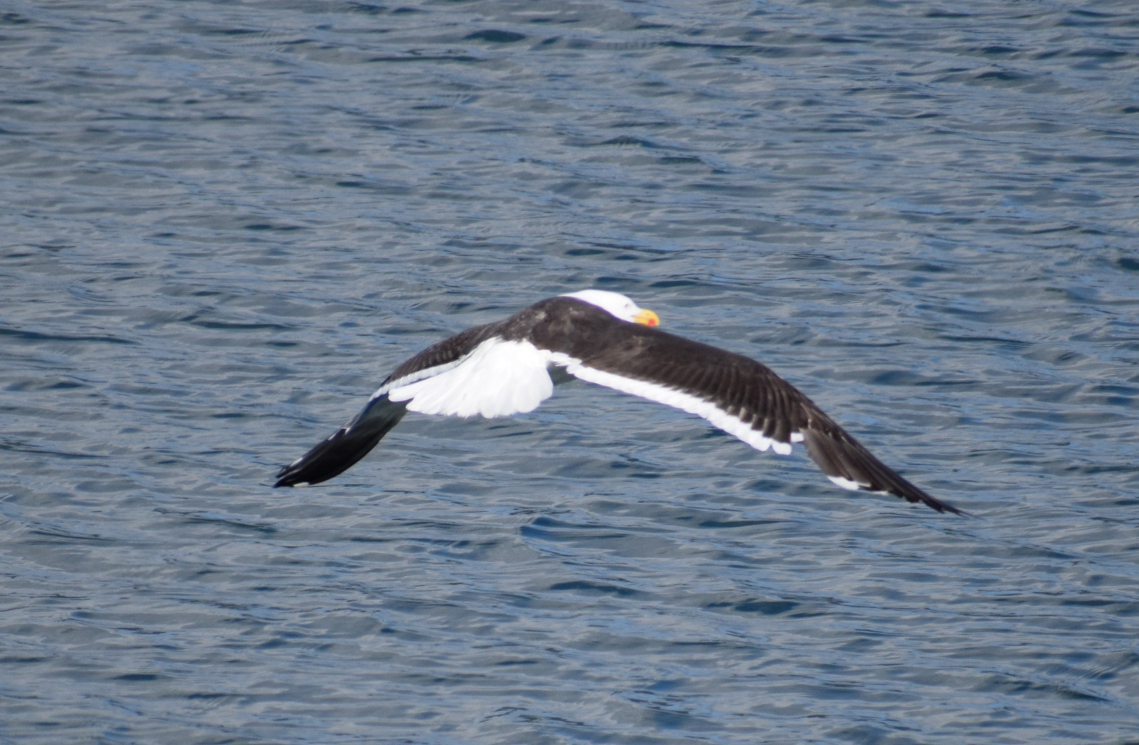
(601, 337)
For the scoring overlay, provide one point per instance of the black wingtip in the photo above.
(840, 456)
(345, 447)
(892, 483)
(332, 457)
(888, 481)
(936, 504)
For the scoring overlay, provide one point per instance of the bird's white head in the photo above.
(617, 305)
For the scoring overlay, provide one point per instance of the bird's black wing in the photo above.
(737, 394)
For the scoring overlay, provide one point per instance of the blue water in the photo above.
(224, 223)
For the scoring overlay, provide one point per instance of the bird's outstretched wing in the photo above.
(740, 396)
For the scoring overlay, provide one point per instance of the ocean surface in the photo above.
(224, 223)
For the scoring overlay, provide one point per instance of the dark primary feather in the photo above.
(347, 445)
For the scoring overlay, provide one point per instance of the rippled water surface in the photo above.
(224, 223)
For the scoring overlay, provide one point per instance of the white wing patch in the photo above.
(498, 378)
(847, 483)
(679, 400)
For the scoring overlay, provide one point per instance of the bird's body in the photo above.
(601, 337)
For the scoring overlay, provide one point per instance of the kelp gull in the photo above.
(601, 337)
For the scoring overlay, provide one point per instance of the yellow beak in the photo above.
(647, 317)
